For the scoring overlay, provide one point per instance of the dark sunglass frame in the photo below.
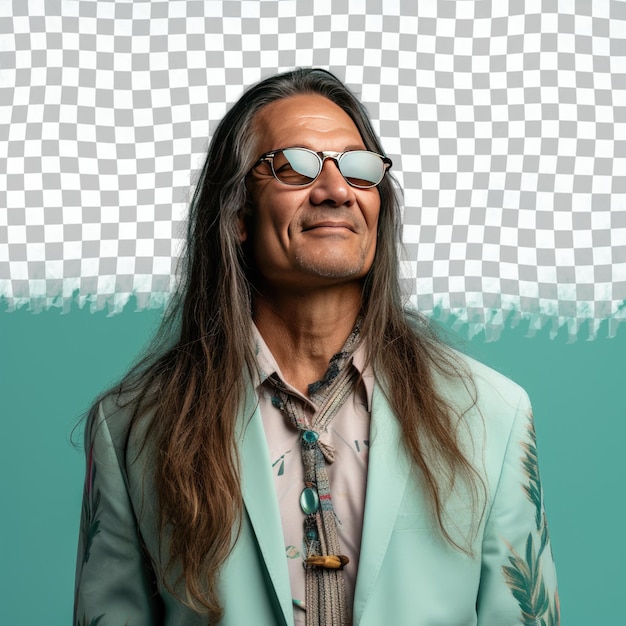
(268, 157)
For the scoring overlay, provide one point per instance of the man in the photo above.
(298, 448)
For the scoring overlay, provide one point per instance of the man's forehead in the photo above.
(291, 120)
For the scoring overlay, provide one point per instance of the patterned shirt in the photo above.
(349, 434)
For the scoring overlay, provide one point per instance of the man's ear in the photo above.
(242, 225)
(244, 216)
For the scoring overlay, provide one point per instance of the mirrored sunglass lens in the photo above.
(360, 168)
(296, 167)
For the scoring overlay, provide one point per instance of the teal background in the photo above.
(53, 365)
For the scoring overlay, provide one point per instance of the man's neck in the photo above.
(303, 332)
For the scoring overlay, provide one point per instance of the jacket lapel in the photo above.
(260, 501)
(387, 474)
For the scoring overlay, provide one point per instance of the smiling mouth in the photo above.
(330, 225)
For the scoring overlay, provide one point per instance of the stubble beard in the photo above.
(333, 268)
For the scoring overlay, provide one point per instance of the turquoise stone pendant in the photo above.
(309, 438)
(309, 500)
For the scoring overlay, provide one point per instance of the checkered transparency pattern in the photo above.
(506, 122)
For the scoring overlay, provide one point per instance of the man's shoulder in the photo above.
(116, 412)
(459, 375)
(481, 385)
(486, 376)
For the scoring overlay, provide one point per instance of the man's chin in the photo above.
(326, 268)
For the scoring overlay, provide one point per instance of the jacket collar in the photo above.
(387, 475)
(259, 496)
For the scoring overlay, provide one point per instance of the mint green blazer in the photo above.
(408, 574)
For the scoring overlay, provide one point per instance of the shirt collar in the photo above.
(267, 365)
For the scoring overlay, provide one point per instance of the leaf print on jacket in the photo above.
(524, 575)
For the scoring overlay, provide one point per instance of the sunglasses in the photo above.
(300, 166)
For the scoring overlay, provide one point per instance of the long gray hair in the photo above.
(193, 381)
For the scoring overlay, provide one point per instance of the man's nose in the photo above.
(331, 187)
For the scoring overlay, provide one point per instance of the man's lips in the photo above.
(329, 224)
